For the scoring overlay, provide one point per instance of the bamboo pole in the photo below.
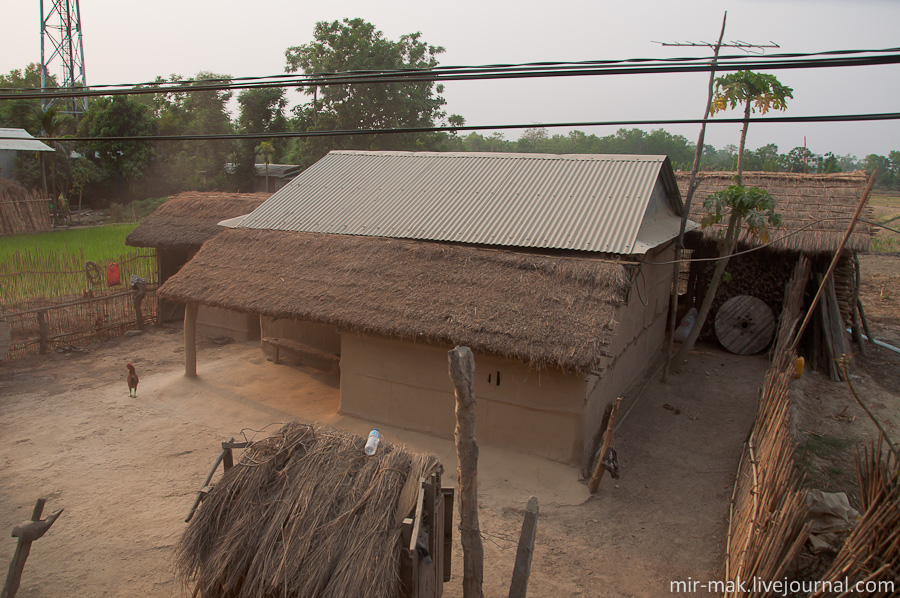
(462, 371)
(607, 441)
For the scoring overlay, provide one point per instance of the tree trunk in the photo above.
(734, 222)
(462, 371)
(740, 164)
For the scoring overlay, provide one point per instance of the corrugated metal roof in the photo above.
(22, 141)
(582, 202)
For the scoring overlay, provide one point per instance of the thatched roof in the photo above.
(537, 308)
(304, 514)
(189, 219)
(801, 199)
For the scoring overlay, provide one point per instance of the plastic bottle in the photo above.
(372, 442)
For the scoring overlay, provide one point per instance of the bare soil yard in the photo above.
(126, 470)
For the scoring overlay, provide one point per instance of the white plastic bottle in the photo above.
(372, 443)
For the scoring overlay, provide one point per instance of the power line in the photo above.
(443, 74)
(453, 129)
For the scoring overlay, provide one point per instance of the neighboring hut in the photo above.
(534, 261)
(816, 210)
(13, 141)
(279, 175)
(306, 514)
(177, 229)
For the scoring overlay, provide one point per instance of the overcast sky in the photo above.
(130, 42)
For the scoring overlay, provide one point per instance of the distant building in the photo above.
(13, 141)
(279, 176)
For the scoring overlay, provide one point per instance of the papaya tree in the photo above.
(265, 150)
(753, 207)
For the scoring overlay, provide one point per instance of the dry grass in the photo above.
(304, 513)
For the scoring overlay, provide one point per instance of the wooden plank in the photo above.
(607, 441)
(447, 548)
(525, 551)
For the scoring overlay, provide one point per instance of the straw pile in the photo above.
(871, 554)
(305, 513)
(21, 211)
(767, 526)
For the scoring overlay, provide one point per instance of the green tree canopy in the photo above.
(356, 45)
(122, 163)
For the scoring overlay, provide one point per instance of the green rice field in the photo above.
(51, 265)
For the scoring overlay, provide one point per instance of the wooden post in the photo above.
(462, 372)
(607, 440)
(522, 568)
(190, 340)
(141, 289)
(27, 533)
(44, 330)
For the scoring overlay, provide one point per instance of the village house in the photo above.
(554, 269)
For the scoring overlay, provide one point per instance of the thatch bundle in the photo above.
(304, 513)
(542, 309)
(816, 208)
(21, 211)
(187, 220)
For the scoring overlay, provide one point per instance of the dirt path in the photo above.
(125, 470)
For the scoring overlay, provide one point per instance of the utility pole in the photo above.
(698, 154)
(61, 43)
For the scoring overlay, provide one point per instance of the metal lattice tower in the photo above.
(61, 36)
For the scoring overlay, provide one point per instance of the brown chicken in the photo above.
(132, 381)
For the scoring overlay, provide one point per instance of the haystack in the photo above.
(21, 211)
(304, 513)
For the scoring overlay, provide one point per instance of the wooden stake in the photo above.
(27, 533)
(522, 568)
(462, 372)
(607, 441)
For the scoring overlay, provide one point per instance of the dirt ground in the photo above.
(126, 470)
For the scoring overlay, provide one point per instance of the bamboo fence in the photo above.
(50, 303)
(768, 516)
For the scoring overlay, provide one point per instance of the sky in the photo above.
(130, 42)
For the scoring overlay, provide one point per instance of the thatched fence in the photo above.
(50, 302)
(21, 211)
(768, 518)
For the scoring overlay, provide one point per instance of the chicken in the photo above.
(132, 381)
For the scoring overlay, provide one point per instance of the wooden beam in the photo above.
(525, 551)
(190, 340)
(607, 441)
(462, 372)
(27, 533)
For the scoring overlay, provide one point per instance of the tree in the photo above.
(122, 163)
(356, 45)
(754, 92)
(261, 110)
(754, 206)
(188, 165)
(266, 150)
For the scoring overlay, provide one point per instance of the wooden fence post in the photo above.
(462, 372)
(27, 533)
(522, 569)
(44, 330)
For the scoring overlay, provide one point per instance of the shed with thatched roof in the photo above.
(534, 261)
(816, 210)
(177, 229)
